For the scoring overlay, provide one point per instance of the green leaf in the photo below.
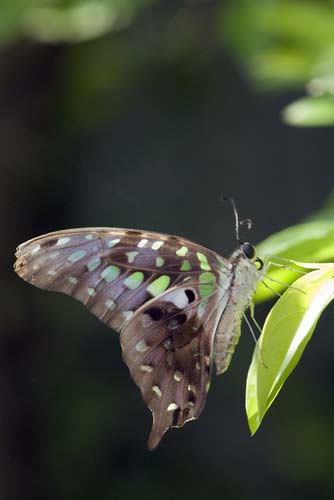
(286, 332)
(310, 112)
(311, 241)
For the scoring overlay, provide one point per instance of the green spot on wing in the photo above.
(93, 264)
(207, 278)
(206, 285)
(159, 261)
(205, 290)
(159, 285)
(186, 266)
(181, 252)
(131, 256)
(201, 257)
(134, 280)
(110, 273)
(75, 256)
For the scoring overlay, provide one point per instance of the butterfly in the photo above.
(177, 306)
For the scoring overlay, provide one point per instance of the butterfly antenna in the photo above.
(236, 216)
(238, 223)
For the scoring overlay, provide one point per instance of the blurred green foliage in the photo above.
(310, 111)
(282, 44)
(286, 44)
(64, 20)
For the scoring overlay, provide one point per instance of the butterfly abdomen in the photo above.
(243, 284)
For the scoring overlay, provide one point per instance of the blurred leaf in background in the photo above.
(282, 44)
(64, 20)
(310, 111)
(286, 44)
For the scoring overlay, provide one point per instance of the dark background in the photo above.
(147, 128)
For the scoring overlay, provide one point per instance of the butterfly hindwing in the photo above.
(167, 346)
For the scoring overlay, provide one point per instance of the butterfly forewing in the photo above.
(114, 271)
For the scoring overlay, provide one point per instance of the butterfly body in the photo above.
(177, 306)
(245, 276)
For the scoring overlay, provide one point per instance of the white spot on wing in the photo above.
(35, 249)
(172, 407)
(157, 390)
(142, 243)
(141, 346)
(179, 299)
(110, 304)
(51, 272)
(62, 241)
(146, 368)
(127, 315)
(112, 243)
(157, 244)
(167, 344)
(72, 280)
(177, 376)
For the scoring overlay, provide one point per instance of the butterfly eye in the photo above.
(248, 250)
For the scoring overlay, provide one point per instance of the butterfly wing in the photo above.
(114, 271)
(167, 346)
(163, 293)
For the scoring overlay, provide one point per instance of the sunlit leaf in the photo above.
(286, 332)
(311, 241)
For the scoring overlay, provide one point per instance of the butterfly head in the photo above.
(248, 251)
